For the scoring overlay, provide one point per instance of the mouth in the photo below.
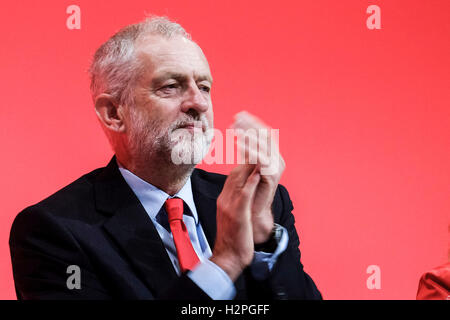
(192, 126)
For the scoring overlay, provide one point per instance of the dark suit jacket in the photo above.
(98, 224)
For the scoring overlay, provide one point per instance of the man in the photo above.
(146, 227)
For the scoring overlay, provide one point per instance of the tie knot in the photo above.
(174, 208)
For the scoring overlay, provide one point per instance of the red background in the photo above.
(363, 115)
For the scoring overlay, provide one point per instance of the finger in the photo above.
(257, 154)
(238, 176)
(259, 143)
(261, 139)
(253, 156)
(244, 171)
(255, 138)
(246, 124)
(269, 165)
(245, 142)
(245, 120)
(250, 187)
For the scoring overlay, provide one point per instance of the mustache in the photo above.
(198, 122)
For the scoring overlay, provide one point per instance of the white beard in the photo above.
(173, 147)
(189, 148)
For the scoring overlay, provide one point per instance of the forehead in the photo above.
(178, 55)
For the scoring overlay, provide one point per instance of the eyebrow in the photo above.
(180, 77)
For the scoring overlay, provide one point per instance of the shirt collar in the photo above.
(153, 198)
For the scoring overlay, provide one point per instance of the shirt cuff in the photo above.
(263, 262)
(213, 281)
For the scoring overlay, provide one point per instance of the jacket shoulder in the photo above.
(70, 202)
(211, 177)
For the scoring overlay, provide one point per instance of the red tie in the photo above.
(187, 257)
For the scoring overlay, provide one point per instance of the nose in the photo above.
(195, 99)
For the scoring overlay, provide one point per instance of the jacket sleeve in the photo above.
(42, 250)
(287, 279)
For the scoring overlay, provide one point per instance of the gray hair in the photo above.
(115, 69)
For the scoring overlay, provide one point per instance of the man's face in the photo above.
(173, 108)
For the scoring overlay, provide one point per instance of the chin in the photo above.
(189, 151)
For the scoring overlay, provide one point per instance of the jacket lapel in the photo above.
(205, 196)
(132, 229)
(206, 191)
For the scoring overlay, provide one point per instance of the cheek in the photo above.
(161, 114)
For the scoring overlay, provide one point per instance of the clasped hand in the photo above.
(244, 215)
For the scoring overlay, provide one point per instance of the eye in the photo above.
(172, 86)
(204, 88)
(169, 88)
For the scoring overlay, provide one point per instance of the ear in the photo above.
(110, 112)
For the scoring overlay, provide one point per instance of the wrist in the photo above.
(263, 224)
(229, 265)
(271, 244)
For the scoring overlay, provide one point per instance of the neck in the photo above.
(167, 177)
